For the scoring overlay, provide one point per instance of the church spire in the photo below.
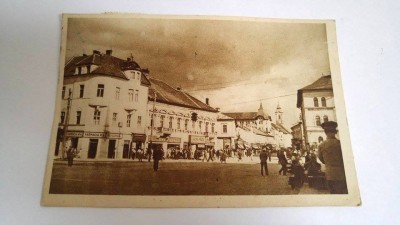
(278, 114)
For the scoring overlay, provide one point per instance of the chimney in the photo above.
(84, 54)
(178, 88)
(207, 101)
(128, 59)
(109, 52)
(95, 52)
(217, 109)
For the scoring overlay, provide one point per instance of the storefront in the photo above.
(138, 141)
(197, 142)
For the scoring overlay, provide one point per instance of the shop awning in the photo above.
(240, 146)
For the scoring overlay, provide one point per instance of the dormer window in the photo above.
(79, 70)
(88, 69)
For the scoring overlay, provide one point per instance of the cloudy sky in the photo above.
(236, 64)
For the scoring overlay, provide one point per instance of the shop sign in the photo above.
(169, 139)
(115, 135)
(138, 137)
(174, 140)
(197, 139)
(74, 133)
(95, 134)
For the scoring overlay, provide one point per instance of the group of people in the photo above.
(329, 153)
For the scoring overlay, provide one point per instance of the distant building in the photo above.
(297, 134)
(256, 128)
(106, 117)
(317, 105)
(173, 124)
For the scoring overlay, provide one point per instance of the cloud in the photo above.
(244, 60)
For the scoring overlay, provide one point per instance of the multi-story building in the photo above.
(317, 105)
(177, 119)
(104, 106)
(297, 134)
(226, 132)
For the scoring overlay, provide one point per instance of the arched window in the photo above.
(315, 102)
(326, 118)
(320, 139)
(318, 121)
(323, 102)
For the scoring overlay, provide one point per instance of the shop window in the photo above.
(128, 120)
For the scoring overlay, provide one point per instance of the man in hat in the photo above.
(263, 159)
(330, 153)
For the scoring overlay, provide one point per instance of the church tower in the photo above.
(278, 114)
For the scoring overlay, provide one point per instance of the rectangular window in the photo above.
(96, 117)
(212, 128)
(81, 90)
(78, 117)
(128, 120)
(186, 124)
(130, 93)
(114, 119)
(162, 121)
(224, 128)
(178, 124)
(63, 92)
(206, 126)
(117, 91)
(139, 121)
(79, 70)
(151, 121)
(193, 125)
(136, 95)
(88, 69)
(100, 90)
(170, 123)
(200, 125)
(62, 117)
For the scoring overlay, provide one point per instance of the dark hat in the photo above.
(329, 126)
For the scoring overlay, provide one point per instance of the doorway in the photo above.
(111, 149)
(125, 152)
(92, 148)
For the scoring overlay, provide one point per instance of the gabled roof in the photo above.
(222, 116)
(323, 83)
(169, 95)
(107, 65)
(242, 115)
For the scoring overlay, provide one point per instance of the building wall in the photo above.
(123, 105)
(225, 137)
(167, 111)
(313, 131)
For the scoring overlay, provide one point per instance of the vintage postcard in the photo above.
(196, 111)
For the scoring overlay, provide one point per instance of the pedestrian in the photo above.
(330, 153)
(240, 153)
(263, 161)
(223, 157)
(149, 153)
(297, 180)
(70, 156)
(211, 155)
(140, 154)
(283, 161)
(269, 153)
(157, 156)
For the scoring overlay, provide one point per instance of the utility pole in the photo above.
(66, 123)
(152, 124)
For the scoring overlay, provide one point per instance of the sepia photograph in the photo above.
(197, 111)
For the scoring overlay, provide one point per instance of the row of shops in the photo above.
(103, 145)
